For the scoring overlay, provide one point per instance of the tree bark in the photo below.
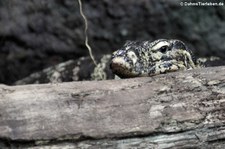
(176, 110)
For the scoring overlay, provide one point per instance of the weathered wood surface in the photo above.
(180, 110)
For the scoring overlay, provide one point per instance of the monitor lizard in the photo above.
(146, 58)
(134, 59)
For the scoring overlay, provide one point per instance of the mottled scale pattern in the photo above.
(145, 58)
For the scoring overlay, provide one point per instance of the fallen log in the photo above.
(181, 110)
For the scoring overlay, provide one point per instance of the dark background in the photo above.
(35, 34)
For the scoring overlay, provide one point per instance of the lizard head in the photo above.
(150, 58)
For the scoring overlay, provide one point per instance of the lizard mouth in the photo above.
(121, 67)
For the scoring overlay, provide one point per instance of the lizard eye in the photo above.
(163, 49)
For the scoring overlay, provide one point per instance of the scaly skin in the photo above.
(137, 59)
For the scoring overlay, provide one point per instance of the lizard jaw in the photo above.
(122, 68)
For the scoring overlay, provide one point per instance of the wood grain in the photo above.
(181, 110)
